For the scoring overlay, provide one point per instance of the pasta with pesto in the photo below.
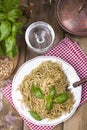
(46, 75)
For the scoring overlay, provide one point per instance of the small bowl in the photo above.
(39, 37)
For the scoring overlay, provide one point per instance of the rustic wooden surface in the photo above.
(43, 12)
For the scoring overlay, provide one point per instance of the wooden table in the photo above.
(43, 12)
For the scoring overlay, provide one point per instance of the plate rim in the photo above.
(38, 122)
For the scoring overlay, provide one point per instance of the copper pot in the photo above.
(72, 16)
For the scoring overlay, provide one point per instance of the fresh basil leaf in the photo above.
(37, 92)
(15, 50)
(2, 16)
(2, 52)
(11, 19)
(11, 46)
(61, 98)
(14, 13)
(49, 98)
(49, 105)
(5, 30)
(52, 92)
(10, 43)
(0, 30)
(17, 28)
(35, 115)
(8, 5)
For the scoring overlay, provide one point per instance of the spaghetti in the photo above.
(46, 75)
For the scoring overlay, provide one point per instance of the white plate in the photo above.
(26, 69)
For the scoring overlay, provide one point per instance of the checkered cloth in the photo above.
(70, 52)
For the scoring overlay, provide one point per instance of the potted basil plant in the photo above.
(10, 27)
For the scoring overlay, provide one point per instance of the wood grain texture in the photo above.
(79, 120)
(46, 13)
(25, 127)
(81, 41)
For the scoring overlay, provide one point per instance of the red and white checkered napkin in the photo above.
(70, 52)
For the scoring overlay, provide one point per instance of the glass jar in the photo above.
(39, 37)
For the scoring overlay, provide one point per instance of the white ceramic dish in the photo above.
(26, 69)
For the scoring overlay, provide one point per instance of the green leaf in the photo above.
(49, 99)
(14, 14)
(52, 92)
(2, 16)
(15, 50)
(35, 115)
(37, 92)
(5, 30)
(8, 5)
(49, 105)
(2, 51)
(61, 98)
(9, 15)
(10, 43)
(11, 19)
(11, 47)
(17, 28)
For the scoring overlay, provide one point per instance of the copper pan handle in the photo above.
(77, 83)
